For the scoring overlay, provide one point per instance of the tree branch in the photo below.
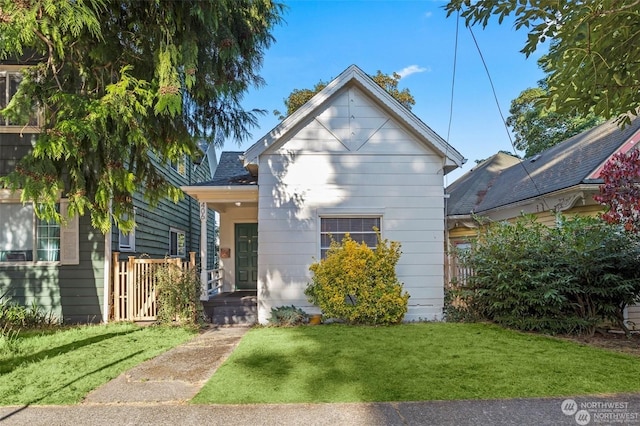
(50, 59)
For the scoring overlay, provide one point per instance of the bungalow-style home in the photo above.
(66, 270)
(562, 179)
(350, 160)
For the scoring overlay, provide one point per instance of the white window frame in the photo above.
(179, 166)
(5, 127)
(127, 242)
(68, 236)
(178, 233)
(322, 248)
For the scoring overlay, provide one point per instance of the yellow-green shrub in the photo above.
(359, 285)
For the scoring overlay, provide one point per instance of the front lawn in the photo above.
(60, 367)
(412, 362)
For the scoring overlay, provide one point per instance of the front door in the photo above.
(246, 256)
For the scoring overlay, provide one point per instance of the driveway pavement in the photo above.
(157, 393)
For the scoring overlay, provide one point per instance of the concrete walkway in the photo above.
(175, 376)
(157, 393)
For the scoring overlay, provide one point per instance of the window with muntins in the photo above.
(9, 82)
(177, 243)
(361, 229)
(24, 237)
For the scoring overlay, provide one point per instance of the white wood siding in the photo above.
(350, 159)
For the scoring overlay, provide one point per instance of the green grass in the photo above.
(412, 362)
(60, 367)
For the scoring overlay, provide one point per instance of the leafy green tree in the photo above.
(536, 127)
(593, 63)
(299, 97)
(121, 83)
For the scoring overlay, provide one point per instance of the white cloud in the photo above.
(412, 69)
(428, 14)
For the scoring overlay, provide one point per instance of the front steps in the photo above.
(236, 308)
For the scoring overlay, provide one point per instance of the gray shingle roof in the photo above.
(230, 171)
(468, 191)
(562, 166)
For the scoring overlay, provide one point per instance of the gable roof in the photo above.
(468, 191)
(354, 75)
(230, 171)
(562, 166)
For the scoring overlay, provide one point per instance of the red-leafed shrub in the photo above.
(620, 191)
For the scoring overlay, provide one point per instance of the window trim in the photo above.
(345, 215)
(18, 128)
(67, 233)
(178, 232)
(179, 166)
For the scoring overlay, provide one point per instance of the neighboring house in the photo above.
(562, 179)
(66, 269)
(349, 160)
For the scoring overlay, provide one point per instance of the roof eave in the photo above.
(222, 194)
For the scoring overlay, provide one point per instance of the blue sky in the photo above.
(322, 38)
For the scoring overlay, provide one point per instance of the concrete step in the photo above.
(237, 308)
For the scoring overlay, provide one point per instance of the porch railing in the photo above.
(456, 271)
(214, 281)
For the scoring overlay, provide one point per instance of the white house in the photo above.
(350, 159)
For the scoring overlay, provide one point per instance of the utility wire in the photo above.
(495, 97)
(453, 85)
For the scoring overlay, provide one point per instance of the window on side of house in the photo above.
(177, 243)
(179, 166)
(9, 81)
(25, 238)
(127, 242)
(361, 229)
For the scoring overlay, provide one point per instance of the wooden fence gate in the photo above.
(133, 286)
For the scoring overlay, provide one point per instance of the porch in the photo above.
(230, 286)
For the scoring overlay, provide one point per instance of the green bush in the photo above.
(285, 316)
(178, 295)
(567, 279)
(455, 304)
(18, 316)
(359, 285)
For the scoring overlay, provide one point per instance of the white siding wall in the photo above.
(228, 220)
(350, 159)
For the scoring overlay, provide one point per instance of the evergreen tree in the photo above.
(121, 82)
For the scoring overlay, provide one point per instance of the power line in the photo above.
(453, 84)
(495, 97)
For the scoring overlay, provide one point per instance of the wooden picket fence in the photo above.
(133, 286)
(455, 272)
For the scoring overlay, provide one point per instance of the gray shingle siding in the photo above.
(153, 225)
